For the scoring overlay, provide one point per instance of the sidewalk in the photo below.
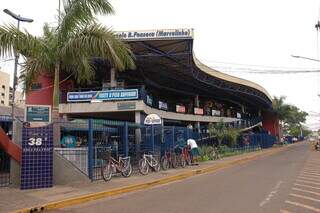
(12, 199)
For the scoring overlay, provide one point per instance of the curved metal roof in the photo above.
(166, 59)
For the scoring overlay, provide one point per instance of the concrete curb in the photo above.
(131, 188)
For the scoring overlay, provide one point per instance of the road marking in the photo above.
(305, 181)
(311, 170)
(308, 175)
(303, 205)
(284, 211)
(302, 190)
(312, 187)
(311, 173)
(307, 178)
(271, 194)
(304, 197)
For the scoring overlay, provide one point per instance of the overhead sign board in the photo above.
(180, 108)
(105, 95)
(216, 112)
(155, 34)
(152, 119)
(38, 113)
(163, 105)
(198, 111)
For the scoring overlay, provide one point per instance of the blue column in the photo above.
(173, 134)
(125, 139)
(152, 138)
(90, 148)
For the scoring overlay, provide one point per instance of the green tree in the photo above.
(68, 47)
(290, 116)
(220, 131)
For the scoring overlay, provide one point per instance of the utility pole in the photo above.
(16, 59)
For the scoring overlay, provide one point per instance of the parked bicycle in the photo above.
(169, 159)
(148, 160)
(112, 166)
(186, 155)
(179, 156)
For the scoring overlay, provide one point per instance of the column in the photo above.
(197, 104)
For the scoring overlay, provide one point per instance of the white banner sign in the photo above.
(155, 34)
(152, 119)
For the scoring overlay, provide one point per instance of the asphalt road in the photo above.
(287, 181)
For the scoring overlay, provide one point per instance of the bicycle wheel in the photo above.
(106, 172)
(127, 170)
(143, 166)
(182, 161)
(164, 163)
(156, 165)
(174, 162)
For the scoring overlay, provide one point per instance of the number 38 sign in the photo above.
(37, 157)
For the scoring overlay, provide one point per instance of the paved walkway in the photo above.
(13, 199)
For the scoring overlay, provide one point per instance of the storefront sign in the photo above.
(180, 108)
(149, 100)
(105, 95)
(216, 112)
(163, 105)
(198, 111)
(152, 119)
(37, 157)
(155, 34)
(126, 106)
(38, 113)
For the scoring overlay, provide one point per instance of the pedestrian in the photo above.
(194, 150)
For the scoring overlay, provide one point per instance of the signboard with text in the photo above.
(38, 113)
(152, 119)
(180, 108)
(37, 157)
(163, 105)
(198, 111)
(216, 112)
(105, 95)
(155, 34)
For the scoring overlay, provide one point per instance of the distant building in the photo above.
(6, 92)
(4, 89)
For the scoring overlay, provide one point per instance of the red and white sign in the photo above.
(198, 111)
(180, 108)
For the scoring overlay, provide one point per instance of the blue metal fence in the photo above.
(92, 136)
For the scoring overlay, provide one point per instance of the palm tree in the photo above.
(69, 47)
(281, 109)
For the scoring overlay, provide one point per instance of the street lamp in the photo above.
(16, 55)
(302, 57)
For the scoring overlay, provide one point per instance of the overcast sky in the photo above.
(230, 35)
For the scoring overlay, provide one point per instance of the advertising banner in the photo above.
(180, 108)
(149, 100)
(238, 115)
(37, 157)
(163, 105)
(105, 95)
(216, 112)
(198, 111)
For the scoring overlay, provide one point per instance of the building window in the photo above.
(2, 102)
(36, 86)
(3, 87)
(2, 94)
